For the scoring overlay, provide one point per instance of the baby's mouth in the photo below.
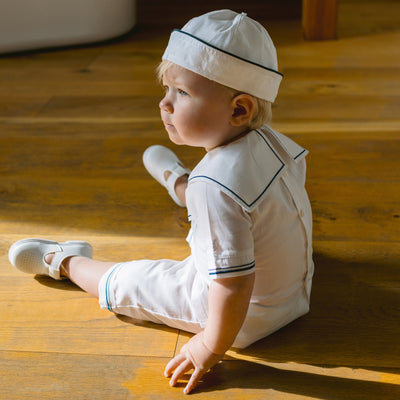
(168, 125)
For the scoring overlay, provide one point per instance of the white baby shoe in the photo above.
(159, 159)
(28, 255)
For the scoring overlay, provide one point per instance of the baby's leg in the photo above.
(163, 291)
(84, 272)
(180, 186)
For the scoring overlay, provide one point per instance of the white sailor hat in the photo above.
(229, 48)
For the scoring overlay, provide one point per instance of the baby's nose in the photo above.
(165, 105)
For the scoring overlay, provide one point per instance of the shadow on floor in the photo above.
(353, 322)
(354, 319)
(248, 375)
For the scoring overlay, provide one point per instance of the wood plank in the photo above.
(43, 315)
(62, 376)
(117, 81)
(332, 107)
(72, 205)
(363, 220)
(16, 106)
(65, 376)
(109, 106)
(340, 81)
(115, 149)
(350, 52)
(66, 205)
(354, 129)
(367, 17)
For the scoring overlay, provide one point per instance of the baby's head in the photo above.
(232, 50)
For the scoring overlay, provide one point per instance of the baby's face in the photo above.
(195, 111)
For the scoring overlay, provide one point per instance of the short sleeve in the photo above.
(221, 235)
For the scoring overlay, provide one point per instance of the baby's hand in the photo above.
(194, 355)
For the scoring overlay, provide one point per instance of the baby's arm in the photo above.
(228, 301)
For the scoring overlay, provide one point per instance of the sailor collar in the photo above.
(245, 169)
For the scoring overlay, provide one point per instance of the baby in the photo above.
(250, 268)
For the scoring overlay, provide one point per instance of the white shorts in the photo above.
(175, 294)
(166, 292)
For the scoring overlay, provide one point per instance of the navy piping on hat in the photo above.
(227, 270)
(268, 185)
(227, 52)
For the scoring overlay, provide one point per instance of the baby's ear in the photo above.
(243, 109)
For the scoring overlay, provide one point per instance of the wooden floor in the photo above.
(73, 126)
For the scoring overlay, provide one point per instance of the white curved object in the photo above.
(33, 24)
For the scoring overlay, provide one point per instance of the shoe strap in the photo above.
(59, 256)
(176, 172)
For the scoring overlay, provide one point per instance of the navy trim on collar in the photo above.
(280, 142)
(298, 155)
(266, 188)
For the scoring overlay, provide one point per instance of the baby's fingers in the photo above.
(193, 381)
(180, 371)
(173, 364)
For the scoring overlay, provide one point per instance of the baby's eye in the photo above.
(182, 92)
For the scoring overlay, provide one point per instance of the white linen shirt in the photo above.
(249, 212)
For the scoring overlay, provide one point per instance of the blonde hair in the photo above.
(262, 114)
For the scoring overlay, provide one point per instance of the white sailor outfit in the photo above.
(249, 212)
